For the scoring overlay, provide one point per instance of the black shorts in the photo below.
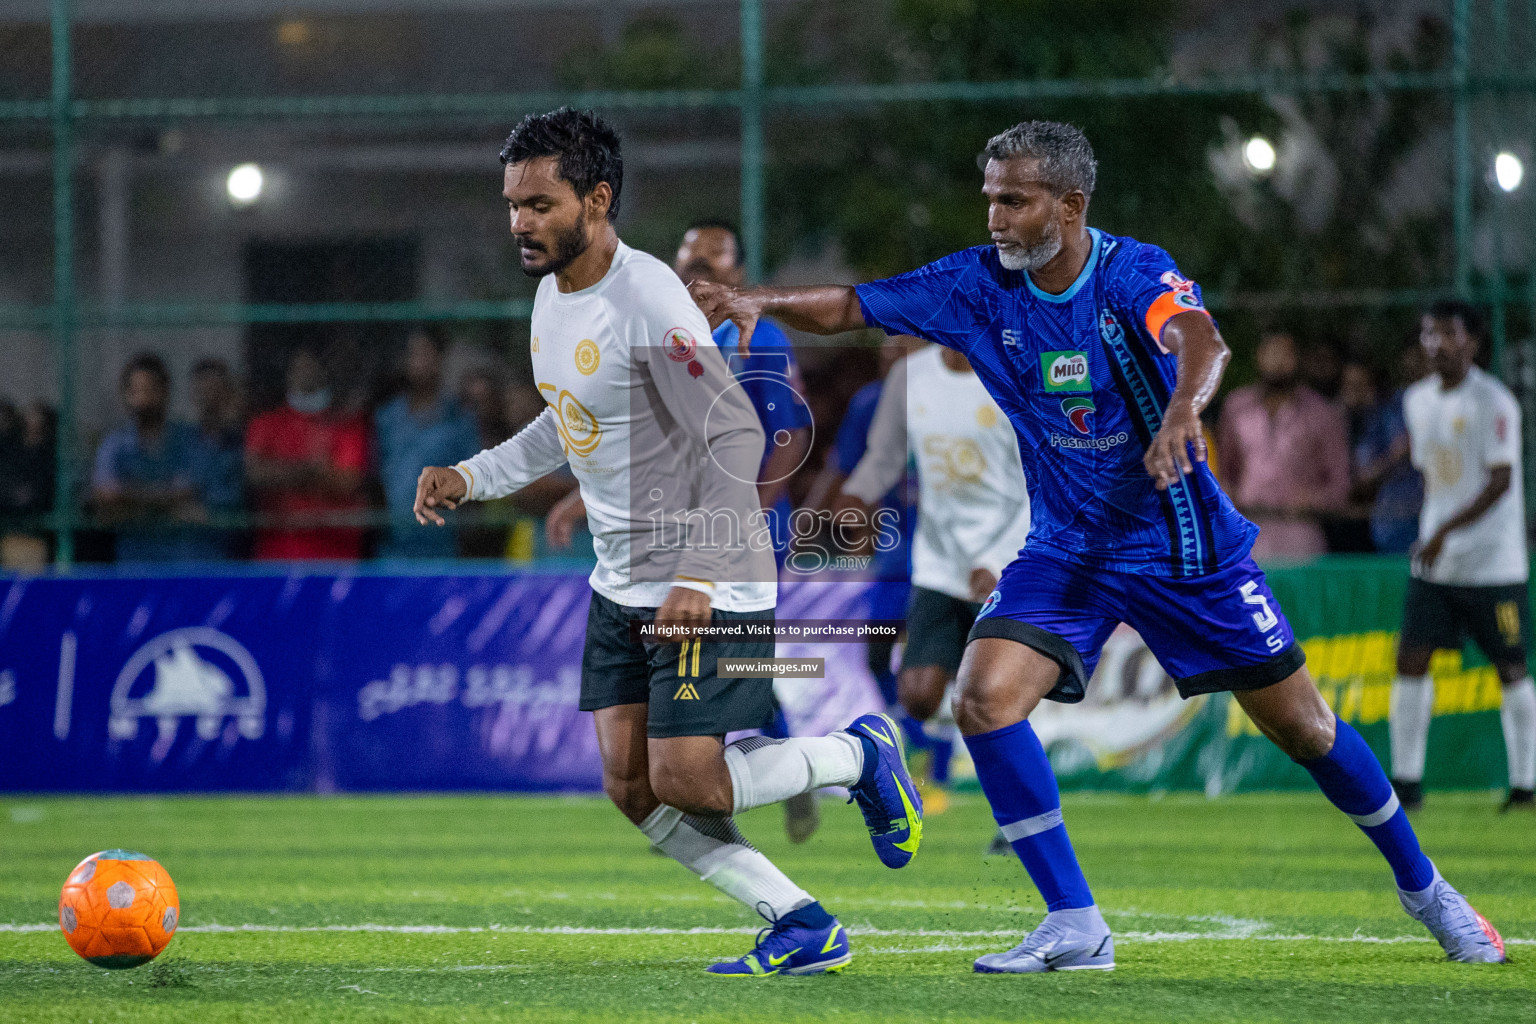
(677, 680)
(937, 627)
(1439, 616)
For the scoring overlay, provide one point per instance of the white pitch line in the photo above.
(1245, 932)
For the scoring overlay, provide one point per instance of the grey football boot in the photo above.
(1464, 934)
(1067, 940)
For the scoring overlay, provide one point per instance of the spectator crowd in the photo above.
(1315, 451)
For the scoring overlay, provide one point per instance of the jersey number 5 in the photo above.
(1265, 619)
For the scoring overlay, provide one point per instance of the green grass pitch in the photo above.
(481, 908)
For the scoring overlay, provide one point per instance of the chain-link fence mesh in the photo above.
(271, 205)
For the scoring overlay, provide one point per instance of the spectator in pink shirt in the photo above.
(1284, 454)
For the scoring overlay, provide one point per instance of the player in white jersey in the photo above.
(665, 447)
(1470, 567)
(973, 517)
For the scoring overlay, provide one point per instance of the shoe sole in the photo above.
(822, 967)
(978, 969)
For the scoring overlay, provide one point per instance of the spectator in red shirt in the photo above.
(305, 460)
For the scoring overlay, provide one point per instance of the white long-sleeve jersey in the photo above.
(664, 443)
(973, 506)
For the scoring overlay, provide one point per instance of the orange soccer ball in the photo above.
(118, 909)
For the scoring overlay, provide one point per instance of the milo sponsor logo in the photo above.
(1065, 371)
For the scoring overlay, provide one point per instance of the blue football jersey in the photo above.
(1084, 378)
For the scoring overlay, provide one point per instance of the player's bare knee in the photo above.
(631, 795)
(982, 702)
(1301, 734)
(688, 793)
(1413, 662)
(921, 691)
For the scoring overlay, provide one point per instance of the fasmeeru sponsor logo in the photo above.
(1101, 444)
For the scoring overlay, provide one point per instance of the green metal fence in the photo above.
(1496, 77)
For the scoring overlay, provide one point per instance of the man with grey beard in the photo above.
(1102, 356)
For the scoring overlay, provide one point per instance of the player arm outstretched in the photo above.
(531, 453)
(1203, 356)
(815, 309)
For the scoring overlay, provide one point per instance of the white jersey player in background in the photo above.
(972, 519)
(1470, 566)
(665, 447)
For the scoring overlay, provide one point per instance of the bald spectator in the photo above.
(1284, 454)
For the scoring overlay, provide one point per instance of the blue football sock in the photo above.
(1350, 776)
(912, 729)
(871, 760)
(1017, 779)
(778, 729)
(886, 680)
(939, 753)
(812, 915)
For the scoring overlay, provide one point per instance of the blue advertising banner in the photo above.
(453, 682)
(157, 683)
(456, 680)
(330, 682)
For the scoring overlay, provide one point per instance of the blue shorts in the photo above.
(1222, 631)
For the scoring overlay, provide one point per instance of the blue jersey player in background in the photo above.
(1103, 356)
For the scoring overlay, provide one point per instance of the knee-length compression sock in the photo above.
(1350, 776)
(1017, 779)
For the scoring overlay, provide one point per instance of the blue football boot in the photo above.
(892, 806)
(808, 941)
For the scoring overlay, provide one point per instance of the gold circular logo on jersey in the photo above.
(986, 416)
(966, 461)
(953, 461)
(587, 357)
(577, 425)
(1447, 466)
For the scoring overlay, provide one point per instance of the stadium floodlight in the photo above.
(1259, 155)
(1508, 171)
(244, 184)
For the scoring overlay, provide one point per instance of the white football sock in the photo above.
(765, 771)
(1518, 716)
(1413, 704)
(716, 851)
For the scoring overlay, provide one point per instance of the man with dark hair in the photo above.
(145, 473)
(646, 413)
(1470, 567)
(770, 376)
(220, 469)
(419, 427)
(1102, 355)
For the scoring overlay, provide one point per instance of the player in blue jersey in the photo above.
(1102, 355)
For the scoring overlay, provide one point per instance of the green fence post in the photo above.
(1499, 326)
(752, 137)
(63, 285)
(1461, 141)
(1528, 372)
